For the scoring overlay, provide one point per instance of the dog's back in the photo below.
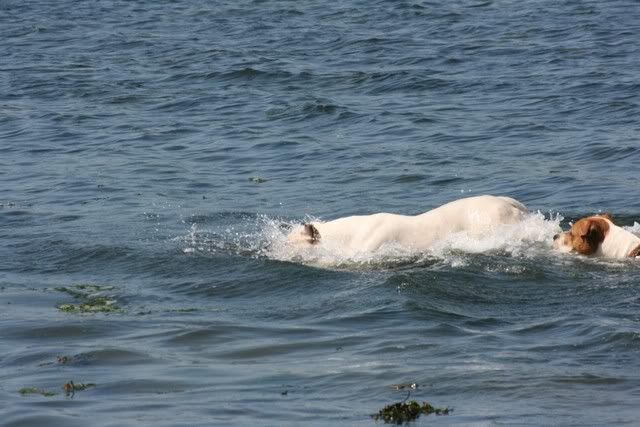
(476, 215)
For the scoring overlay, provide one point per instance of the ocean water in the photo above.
(153, 154)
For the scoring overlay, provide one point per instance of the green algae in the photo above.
(89, 299)
(26, 391)
(94, 305)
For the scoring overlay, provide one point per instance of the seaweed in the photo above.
(26, 391)
(69, 389)
(89, 301)
(93, 305)
(403, 412)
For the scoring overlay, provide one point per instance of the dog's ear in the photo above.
(312, 232)
(588, 234)
(606, 215)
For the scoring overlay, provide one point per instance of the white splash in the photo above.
(635, 228)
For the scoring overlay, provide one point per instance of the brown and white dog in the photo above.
(598, 236)
(477, 216)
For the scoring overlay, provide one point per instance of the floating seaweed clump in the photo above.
(90, 301)
(69, 389)
(403, 412)
(95, 305)
(25, 391)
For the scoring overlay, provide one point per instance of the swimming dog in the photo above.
(598, 236)
(365, 233)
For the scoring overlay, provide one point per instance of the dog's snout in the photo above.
(555, 237)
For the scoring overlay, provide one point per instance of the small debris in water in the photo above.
(70, 388)
(412, 386)
(173, 310)
(62, 360)
(257, 179)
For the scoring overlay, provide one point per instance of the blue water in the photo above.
(152, 154)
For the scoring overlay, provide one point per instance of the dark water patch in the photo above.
(588, 379)
(600, 152)
(133, 387)
(307, 111)
(273, 350)
(61, 330)
(410, 178)
(106, 356)
(403, 81)
(279, 145)
(248, 74)
(546, 327)
(51, 419)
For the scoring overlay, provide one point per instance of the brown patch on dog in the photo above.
(586, 235)
(312, 232)
(635, 253)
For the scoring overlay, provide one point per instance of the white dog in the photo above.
(474, 215)
(598, 236)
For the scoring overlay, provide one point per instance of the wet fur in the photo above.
(364, 233)
(586, 235)
(598, 236)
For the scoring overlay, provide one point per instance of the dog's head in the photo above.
(585, 236)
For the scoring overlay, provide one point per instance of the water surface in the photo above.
(151, 152)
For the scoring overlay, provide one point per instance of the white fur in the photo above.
(475, 215)
(618, 242)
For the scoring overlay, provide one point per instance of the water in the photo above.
(152, 153)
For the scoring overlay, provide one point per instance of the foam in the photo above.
(635, 228)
